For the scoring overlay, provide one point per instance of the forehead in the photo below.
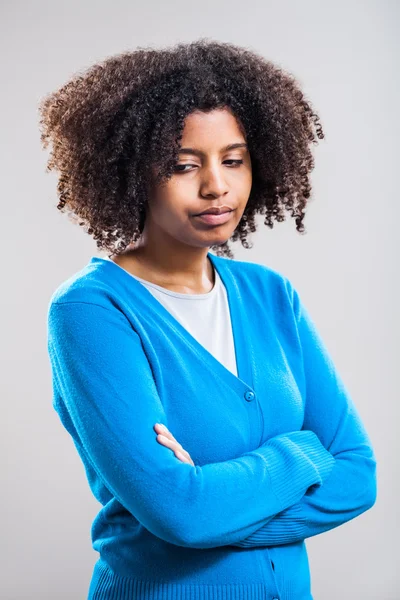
(218, 127)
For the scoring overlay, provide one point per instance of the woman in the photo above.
(262, 446)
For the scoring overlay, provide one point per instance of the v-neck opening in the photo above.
(242, 349)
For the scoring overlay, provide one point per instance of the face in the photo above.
(207, 174)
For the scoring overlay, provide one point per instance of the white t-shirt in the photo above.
(205, 316)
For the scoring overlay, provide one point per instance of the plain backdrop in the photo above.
(346, 57)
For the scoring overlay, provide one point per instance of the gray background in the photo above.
(346, 56)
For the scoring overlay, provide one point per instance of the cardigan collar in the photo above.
(239, 318)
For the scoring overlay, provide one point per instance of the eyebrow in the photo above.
(200, 153)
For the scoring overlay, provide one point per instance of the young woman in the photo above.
(213, 426)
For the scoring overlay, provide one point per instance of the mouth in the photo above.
(213, 219)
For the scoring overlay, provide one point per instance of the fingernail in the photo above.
(162, 426)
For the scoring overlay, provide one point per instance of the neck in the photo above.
(171, 262)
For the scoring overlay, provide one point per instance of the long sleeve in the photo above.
(330, 412)
(105, 382)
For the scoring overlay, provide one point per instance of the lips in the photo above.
(215, 219)
(215, 211)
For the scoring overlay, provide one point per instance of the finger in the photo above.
(179, 452)
(170, 443)
(169, 436)
(163, 430)
(181, 457)
(173, 445)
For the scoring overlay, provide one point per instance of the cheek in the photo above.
(174, 200)
(248, 180)
(169, 209)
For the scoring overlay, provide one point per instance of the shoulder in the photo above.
(86, 286)
(259, 278)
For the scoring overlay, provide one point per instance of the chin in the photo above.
(220, 238)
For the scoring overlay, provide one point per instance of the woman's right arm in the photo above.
(102, 375)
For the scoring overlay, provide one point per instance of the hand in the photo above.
(167, 439)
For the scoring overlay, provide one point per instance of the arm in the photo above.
(105, 381)
(330, 412)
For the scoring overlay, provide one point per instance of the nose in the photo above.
(213, 182)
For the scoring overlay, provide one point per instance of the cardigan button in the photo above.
(249, 396)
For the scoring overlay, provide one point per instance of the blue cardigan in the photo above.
(280, 451)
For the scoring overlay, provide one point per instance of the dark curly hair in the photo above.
(108, 124)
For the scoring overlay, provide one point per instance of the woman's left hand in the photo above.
(167, 439)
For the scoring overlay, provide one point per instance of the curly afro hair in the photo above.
(108, 124)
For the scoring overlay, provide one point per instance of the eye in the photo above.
(236, 162)
(180, 168)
